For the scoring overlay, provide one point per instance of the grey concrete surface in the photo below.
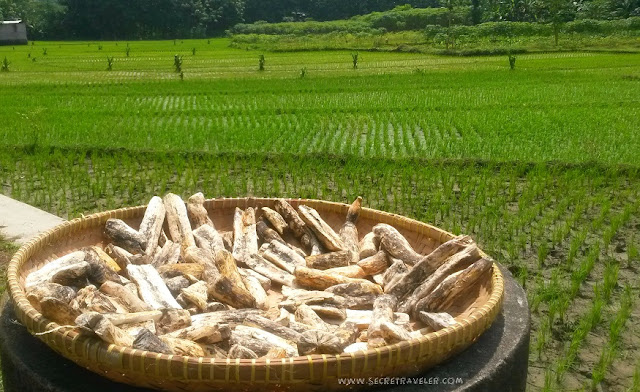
(20, 222)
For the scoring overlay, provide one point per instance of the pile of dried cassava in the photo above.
(283, 283)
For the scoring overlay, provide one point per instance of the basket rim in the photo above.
(22, 305)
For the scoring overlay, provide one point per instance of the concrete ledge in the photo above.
(496, 362)
(20, 222)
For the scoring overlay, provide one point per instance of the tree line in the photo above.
(169, 19)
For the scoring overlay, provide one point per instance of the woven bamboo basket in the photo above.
(309, 373)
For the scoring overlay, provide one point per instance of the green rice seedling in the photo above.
(303, 72)
(193, 51)
(177, 63)
(109, 63)
(261, 62)
(5, 65)
(632, 251)
(99, 47)
(127, 50)
(512, 62)
(44, 51)
(354, 58)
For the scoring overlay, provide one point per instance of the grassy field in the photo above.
(539, 164)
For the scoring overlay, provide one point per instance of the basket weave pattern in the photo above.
(178, 373)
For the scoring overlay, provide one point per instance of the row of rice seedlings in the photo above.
(616, 327)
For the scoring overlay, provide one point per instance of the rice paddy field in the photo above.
(541, 165)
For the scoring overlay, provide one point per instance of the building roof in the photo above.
(10, 22)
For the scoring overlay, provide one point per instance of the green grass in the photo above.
(538, 164)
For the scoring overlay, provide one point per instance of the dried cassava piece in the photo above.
(425, 267)
(396, 271)
(101, 255)
(204, 333)
(267, 234)
(198, 215)
(454, 263)
(131, 300)
(151, 225)
(272, 327)
(119, 255)
(369, 245)
(124, 236)
(200, 256)
(349, 232)
(356, 295)
(350, 271)
(245, 237)
(283, 318)
(254, 287)
(453, 286)
(182, 346)
(227, 267)
(276, 353)
(197, 294)
(305, 315)
(329, 311)
(193, 269)
(151, 287)
(176, 284)
(172, 320)
(298, 227)
(65, 268)
(393, 333)
(260, 341)
(276, 220)
(104, 328)
(320, 280)
(53, 290)
(264, 281)
(208, 238)
(225, 283)
(148, 341)
(239, 351)
(289, 214)
(376, 264)
(297, 297)
(168, 254)
(265, 268)
(395, 244)
(282, 256)
(99, 271)
(383, 309)
(355, 347)
(329, 260)
(362, 318)
(89, 298)
(132, 318)
(58, 310)
(178, 221)
(347, 332)
(319, 342)
(231, 317)
(325, 234)
(437, 321)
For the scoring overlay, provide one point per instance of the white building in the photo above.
(13, 32)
